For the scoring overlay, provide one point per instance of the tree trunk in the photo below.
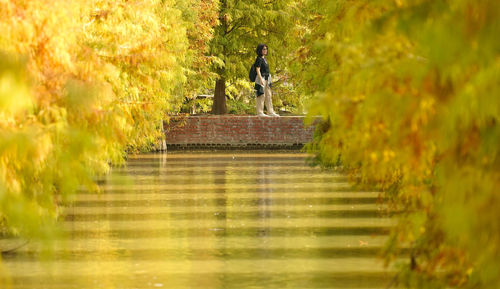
(219, 106)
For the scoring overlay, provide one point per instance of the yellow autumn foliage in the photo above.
(410, 94)
(81, 84)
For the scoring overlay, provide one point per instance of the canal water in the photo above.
(214, 220)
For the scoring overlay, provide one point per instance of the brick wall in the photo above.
(237, 131)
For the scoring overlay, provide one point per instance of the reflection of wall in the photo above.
(213, 214)
(264, 191)
(287, 131)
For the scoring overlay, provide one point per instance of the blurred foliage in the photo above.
(81, 84)
(410, 94)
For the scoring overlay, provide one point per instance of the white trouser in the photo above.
(265, 98)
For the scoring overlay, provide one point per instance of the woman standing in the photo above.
(263, 83)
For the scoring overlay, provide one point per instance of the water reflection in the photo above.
(215, 220)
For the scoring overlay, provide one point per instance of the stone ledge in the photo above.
(238, 132)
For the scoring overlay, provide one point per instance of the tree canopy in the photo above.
(243, 25)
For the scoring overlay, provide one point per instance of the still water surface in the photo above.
(214, 220)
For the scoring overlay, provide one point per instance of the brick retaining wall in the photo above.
(237, 131)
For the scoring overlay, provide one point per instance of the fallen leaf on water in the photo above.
(362, 243)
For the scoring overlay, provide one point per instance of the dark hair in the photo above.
(259, 49)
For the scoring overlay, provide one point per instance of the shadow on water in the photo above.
(215, 220)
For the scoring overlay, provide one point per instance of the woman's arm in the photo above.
(259, 75)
